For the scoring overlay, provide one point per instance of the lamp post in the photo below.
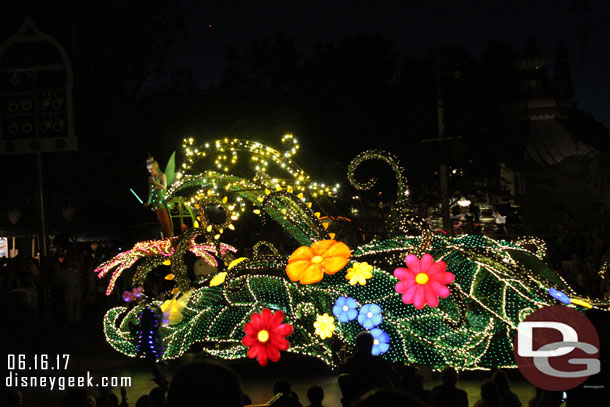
(69, 213)
(13, 216)
(441, 61)
(43, 222)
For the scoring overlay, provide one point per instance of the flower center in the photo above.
(317, 260)
(369, 315)
(421, 278)
(345, 308)
(376, 342)
(263, 336)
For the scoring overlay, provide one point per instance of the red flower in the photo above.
(266, 336)
(423, 282)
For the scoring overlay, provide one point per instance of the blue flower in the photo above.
(345, 309)
(381, 341)
(370, 316)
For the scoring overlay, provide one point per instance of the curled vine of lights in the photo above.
(271, 170)
(466, 319)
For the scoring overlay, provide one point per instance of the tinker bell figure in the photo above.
(157, 183)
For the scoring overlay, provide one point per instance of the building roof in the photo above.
(549, 143)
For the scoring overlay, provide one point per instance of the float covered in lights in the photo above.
(479, 288)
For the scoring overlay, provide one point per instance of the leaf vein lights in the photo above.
(493, 286)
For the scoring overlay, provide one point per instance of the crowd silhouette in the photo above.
(365, 380)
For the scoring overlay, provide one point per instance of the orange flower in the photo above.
(308, 264)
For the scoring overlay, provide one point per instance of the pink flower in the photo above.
(423, 281)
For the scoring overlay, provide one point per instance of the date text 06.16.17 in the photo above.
(39, 362)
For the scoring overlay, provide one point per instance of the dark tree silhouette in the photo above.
(562, 79)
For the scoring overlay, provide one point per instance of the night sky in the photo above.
(101, 38)
(212, 25)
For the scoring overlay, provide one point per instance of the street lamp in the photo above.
(463, 202)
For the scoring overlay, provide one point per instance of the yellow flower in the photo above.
(167, 305)
(359, 273)
(218, 279)
(325, 325)
(172, 309)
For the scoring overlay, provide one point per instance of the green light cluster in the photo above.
(472, 328)
(497, 284)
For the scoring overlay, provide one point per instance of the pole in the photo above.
(43, 223)
(443, 167)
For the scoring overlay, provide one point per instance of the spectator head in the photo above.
(364, 343)
(501, 380)
(144, 401)
(489, 391)
(545, 398)
(212, 384)
(157, 396)
(348, 387)
(315, 394)
(412, 379)
(282, 386)
(78, 398)
(105, 391)
(449, 376)
(388, 398)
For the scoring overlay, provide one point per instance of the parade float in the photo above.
(426, 298)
